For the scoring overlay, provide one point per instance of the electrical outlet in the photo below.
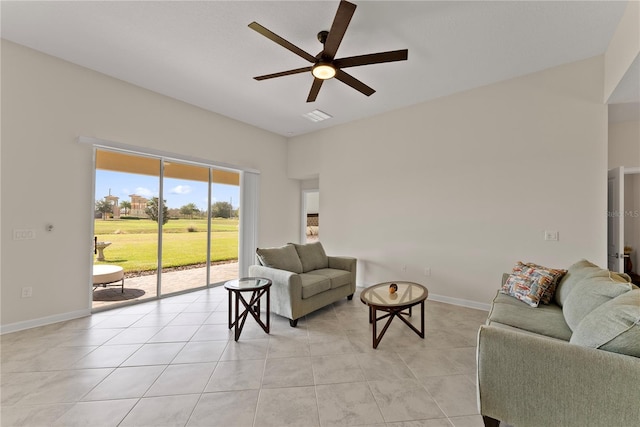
(427, 271)
(27, 292)
(24, 234)
(404, 268)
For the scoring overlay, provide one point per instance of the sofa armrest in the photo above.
(286, 287)
(531, 380)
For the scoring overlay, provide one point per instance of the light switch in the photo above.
(551, 235)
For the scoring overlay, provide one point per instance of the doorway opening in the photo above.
(311, 216)
(623, 221)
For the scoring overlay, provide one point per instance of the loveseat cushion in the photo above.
(614, 326)
(590, 293)
(312, 256)
(544, 320)
(313, 284)
(337, 277)
(283, 258)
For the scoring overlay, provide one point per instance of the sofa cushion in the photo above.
(576, 273)
(546, 278)
(312, 256)
(590, 293)
(614, 326)
(313, 284)
(544, 320)
(282, 258)
(337, 277)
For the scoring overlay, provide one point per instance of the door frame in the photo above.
(249, 196)
(615, 219)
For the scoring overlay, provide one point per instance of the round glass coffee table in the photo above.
(380, 298)
(258, 287)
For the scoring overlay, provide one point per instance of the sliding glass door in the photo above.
(169, 225)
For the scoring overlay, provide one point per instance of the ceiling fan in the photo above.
(325, 65)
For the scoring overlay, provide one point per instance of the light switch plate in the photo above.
(24, 234)
(551, 235)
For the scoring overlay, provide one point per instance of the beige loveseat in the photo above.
(573, 362)
(304, 278)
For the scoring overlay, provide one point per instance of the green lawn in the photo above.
(134, 243)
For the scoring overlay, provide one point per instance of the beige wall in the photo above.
(466, 185)
(623, 48)
(624, 144)
(47, 104)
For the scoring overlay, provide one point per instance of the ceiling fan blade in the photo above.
(372, 58)
(354, 83)
(282, 42)
(338, 28)
(283, 73)
(315, 88)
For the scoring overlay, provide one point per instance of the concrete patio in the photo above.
(173, 281)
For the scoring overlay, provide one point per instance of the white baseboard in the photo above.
(42, 321)
(453, 301)
(461, 302)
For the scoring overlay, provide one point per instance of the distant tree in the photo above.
(152, 210)
(126, 206)
(221, 210)
(189, 210)
(104, 207)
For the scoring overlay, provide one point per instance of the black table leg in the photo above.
(230, 310)
(391, 313)
(250, 307)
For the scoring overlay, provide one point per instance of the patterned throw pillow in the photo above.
(540, 286)
(523, 288)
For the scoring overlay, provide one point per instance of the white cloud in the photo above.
(144, 192)
(181, 189)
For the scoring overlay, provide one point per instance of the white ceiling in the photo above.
(203, 52)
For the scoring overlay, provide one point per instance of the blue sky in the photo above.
(177, 192)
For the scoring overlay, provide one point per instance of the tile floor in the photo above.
(173, 362)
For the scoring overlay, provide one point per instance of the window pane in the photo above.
(184, 236)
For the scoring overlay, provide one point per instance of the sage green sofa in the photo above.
(573, 362)
(304, 278)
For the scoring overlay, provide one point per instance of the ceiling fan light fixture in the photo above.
(323, 71)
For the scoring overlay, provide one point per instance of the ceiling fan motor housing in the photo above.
(322, 36)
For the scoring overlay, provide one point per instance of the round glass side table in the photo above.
(258, 287)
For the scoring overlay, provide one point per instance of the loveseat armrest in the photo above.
(286, 288)
(531, 380)
(344, 263)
